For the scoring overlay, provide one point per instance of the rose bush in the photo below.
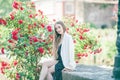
(86, 41)
(31, 37)
(30, 34)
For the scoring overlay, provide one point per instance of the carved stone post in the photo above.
(116, 70)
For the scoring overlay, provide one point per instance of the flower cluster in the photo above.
(30, 38)
(5, 66)
(85, 41)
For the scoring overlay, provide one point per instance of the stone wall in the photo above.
(99, 14)
(93, 11)
(85, 72)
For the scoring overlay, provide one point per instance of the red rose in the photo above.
(12, 17)
(86, 30)
(86, 55)
(3, 22)
(30, 16)
(34, 39)
(77, 61)
(17, 76)
(21, 8)
(4, 64)
(67, 29)
(15, 32)
(81, 37)
(77, 29)
(2, 70)
(54, 20)
(40, 12)
(41, 50)
(49, 28)
(15, 37)
(42, 25)
(74, 41)
(78, 55)
(15, 5)
(20, 21)
(76, 21)
(15, 63)
(2, 51)
(72, 24)
(35, 24)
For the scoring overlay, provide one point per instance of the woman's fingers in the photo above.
(66, 69)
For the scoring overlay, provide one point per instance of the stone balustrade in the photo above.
(87, 72)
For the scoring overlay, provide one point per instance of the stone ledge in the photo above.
(86, 72)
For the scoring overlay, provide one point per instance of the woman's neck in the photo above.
(61, 38)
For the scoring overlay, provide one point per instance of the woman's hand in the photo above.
(66, 69)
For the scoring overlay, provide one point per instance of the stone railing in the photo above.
(85, 72)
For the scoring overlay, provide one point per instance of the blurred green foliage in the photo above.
(6, 6)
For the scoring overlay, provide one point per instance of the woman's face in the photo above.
(59, 28)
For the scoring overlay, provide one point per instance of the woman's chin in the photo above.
(59, 33)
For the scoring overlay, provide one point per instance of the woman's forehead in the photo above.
(58, 25)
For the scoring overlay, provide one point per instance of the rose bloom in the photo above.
(20, 21)
(42, 25)
(33, 38)
(15, 37)
(15, 32)
(15, 62)
(41, 50)
(49, 28)
(2, 51)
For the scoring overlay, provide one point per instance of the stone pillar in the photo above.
(116, 70)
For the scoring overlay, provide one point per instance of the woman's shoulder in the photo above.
(68, 35)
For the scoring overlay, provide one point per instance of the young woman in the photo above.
(63, 52)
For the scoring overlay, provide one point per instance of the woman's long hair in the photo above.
(57, 38)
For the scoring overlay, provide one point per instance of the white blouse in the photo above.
(67, 52)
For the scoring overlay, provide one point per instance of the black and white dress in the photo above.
(59, 66)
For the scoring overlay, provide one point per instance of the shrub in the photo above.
(86, 42)
(29, 39)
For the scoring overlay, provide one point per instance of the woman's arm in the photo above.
(70, 55)
(66, 69)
